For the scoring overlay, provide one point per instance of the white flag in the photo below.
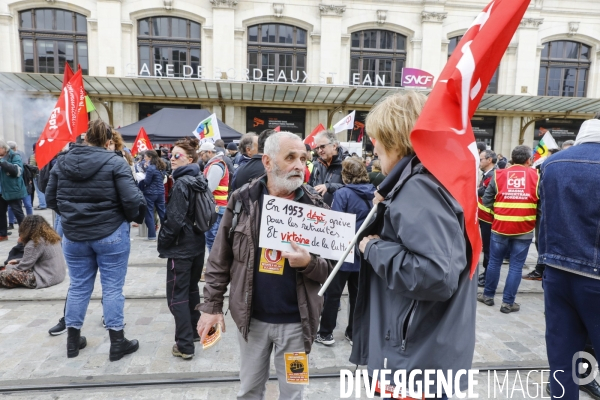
(345, 123)
(208, 130)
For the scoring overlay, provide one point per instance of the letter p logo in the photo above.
(581, 363)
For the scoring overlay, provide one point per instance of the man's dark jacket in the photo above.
(330, 175)
(94, 192)
(248, 171)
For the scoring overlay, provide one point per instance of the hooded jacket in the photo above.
(94, 192)
(177, 237)
(354, 199)
(416, 301)
(330, 176)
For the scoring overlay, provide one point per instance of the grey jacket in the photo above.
(416, 302)
(47, 262)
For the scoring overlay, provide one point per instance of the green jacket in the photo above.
(11, 177)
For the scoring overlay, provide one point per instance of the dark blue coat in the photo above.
(354, 199)
(153, 184)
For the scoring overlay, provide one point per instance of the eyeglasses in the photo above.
(177, 156)
(321, 147)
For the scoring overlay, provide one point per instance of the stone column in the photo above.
(223, 38)
(6, 55)
(331, 36)
(109, 38)
(526, 80)
(432, 41)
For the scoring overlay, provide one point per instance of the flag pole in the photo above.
(350, 248)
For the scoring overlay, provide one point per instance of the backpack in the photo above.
(205, 211)
(44, 176)
(29, 174)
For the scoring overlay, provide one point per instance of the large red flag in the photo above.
(445, 124)
(66, 121)
(68, 75)
(310, 139)
(141, 143)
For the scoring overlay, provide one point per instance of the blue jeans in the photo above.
(500, 246)
(41, 196)
(212, 233)
(58, 225)
(84, 259)
(571, 317)
(152, 201)
(28, 209)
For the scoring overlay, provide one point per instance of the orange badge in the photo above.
(296, 368)
(271, 262)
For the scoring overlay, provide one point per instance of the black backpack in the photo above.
(44, 176)
(205, 210)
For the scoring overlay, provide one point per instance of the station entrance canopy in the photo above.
(308, 96)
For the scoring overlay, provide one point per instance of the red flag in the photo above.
(142, 143)
(445, 120)
(310, 139)
(66, 121)
(277, 128)
(68, 75)
(359, 139)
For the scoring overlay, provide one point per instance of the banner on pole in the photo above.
(208, 130)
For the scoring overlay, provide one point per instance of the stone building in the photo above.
(294, 64)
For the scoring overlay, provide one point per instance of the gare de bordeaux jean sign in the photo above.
(411, 77)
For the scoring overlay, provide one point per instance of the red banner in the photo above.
(445, 120)
(141, 143)
(310, 139)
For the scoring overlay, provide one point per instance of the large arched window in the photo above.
(274, 49)
(377, 58)
(564, 69)
(50, 38)
(169, 46)
(493, 86)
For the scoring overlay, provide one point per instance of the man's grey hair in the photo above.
(272, 145)
(491, 154)
(521, 154)
(12, 145)
(329, 135)
(567, 143)
(4, 145)
(246, 141)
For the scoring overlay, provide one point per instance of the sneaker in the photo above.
(481, 280)
(508, 308)
(177, 353)
(348, 338)
(488, 301)
(59, 328)
(11, 227)
(327, 340)
(533, 276)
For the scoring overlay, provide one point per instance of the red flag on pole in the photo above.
(445, 120)
(65, 123)
(142, 143)
(310, 139)
(68, 75)
(359, 139)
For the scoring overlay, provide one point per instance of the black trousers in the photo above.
(16, 209)
(332, 302)
(183, 295)
(486, 234)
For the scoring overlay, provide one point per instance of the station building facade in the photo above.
(295, 64)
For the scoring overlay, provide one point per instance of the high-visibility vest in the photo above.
(220, 193)
(483, 213)
(515, 205)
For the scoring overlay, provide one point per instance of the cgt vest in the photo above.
(483, 213)
(516, 202)
(220, 193)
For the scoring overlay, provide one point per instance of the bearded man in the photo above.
(271, 307)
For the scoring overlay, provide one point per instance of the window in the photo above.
(169, 46)
(377, 58)
(50, 38)
(274, 49)
(493, 86)
(564, 69)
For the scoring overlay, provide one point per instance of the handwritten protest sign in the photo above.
(323, 232)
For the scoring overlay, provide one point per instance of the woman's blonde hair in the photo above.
(120, 145)
(391, 120)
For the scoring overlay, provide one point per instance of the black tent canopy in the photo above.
(170, 124)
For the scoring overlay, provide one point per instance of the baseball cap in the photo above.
(232, 146)
(207, 146)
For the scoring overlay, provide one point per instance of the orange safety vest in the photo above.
(220, 193)
(516, 202)
(483, 213)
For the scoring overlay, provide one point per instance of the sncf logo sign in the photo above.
(516, 180)
(412, 77)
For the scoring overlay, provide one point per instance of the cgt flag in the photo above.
(67, 120)
(541, 151)
(345, 123)
(445, 120)
(310, 139)
(141, 143)
(208, 130)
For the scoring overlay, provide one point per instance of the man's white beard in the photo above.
(288, 182)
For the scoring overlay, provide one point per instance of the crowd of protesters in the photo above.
(409, 286)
